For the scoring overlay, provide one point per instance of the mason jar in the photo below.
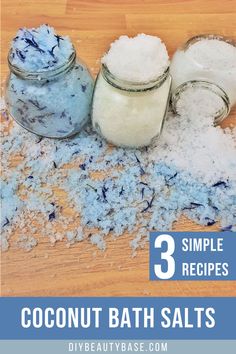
(54, 103)
(129, 114)
(189, 71)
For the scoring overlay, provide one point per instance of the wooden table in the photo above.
(82, 270)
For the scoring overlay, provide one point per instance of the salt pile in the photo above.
(191, 170)
(191, 143)
(52, 49)
(213, 54)
(139, 59)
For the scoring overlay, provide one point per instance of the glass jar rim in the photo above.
(210, 36)
(133, 86)
(223, 113)
(43, 74)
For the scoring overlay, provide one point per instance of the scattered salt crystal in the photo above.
(98, 240)
(70, 235)
(134, 244)
(191, 170)
(80, 234)
(26, 242)
(139, 59)
(192, 144)
(4, 243)
(2, 103)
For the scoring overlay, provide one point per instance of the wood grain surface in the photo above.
(82, 270)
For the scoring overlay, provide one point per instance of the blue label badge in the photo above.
(192, 256)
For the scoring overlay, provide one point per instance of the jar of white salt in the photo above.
(204, 76)
(49, 90)
(132, 91)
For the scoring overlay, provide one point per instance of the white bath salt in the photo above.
(139, 59)
(130, 113)
(129, 119)
(209, 59)
(192, 144)
(213, 54)
(200, 102)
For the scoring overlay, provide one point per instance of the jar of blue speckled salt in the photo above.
(48, 91)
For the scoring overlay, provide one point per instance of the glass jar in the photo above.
(188, 70)
(129, 114)
(54, 103)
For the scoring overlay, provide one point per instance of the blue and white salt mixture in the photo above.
(191, 170)
(48, 91)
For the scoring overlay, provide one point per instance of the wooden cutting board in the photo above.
(82, 270)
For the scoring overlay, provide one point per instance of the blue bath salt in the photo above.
(39, 49)
(56, 103)
(132, 194)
